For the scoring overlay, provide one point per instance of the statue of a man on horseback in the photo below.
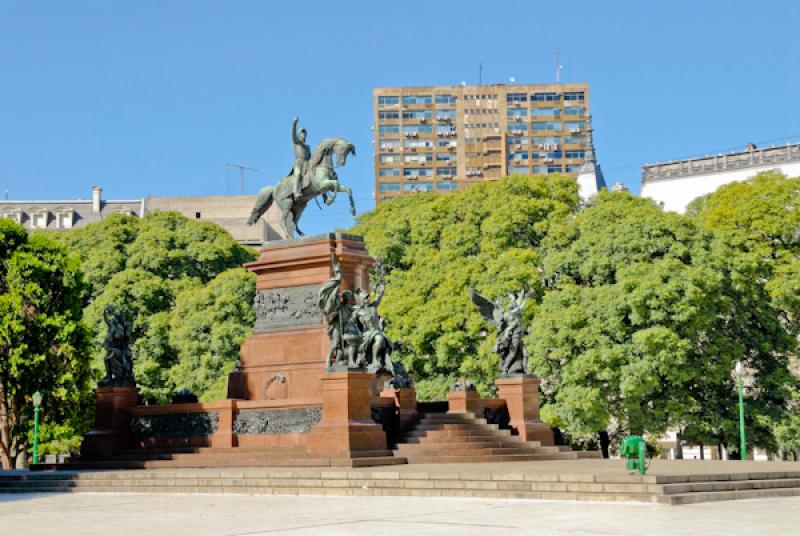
(302, 154)
(312, 175)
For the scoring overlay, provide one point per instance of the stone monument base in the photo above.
(112, 431)
(521, 394)
(346, 430)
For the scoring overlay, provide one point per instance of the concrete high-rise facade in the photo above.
(443, 138)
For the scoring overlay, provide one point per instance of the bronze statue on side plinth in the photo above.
(117, 361)
(507, 320)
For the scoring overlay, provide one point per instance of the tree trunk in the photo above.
(678, 447)
(702, 451)
(604, 443)
(5, 433)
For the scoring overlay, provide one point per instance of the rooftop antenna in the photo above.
(241, 175)
(6, 194)
(480, 73)
(558, 67)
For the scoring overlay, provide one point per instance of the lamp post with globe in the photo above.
(37, 403)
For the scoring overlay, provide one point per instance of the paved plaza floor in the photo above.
(239, 515)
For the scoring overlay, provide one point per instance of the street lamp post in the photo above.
(743, 447)
(37, 402)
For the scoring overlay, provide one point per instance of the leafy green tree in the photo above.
(764, 214)
(143, 265)
(43, 343)
(437, 246)
(644, 318)
(206, 330)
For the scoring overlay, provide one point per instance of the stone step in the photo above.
(437, 458)
(595, 487)
(447, 433)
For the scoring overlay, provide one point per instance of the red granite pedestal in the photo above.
(405, 400)
(284, 359)
(346, 429)
(521, 394)
(112, 422)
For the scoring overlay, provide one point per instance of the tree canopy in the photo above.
(437, 246)
(643, 319)
(181, 284)
(764, 214)
(43, 342)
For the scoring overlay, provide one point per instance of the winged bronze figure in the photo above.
(507, 320)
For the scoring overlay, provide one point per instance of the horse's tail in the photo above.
(263, 202)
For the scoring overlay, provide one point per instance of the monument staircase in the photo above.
(466, 438)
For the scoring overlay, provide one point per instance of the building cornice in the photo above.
(707, 165)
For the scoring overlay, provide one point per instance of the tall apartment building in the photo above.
(443, 138)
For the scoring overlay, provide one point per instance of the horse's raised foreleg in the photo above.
(349, 192)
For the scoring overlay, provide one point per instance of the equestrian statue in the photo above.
(311, 175)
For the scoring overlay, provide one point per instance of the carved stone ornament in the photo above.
(282, 308)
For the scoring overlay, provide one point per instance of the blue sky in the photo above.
(155, 97)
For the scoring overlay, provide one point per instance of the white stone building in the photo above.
(677, 183)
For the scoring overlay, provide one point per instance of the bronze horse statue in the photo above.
(318, 178)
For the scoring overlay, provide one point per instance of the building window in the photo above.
(389, 158)
(517, 128)
(424, 186)
(388, 100)
(389, 145)
(388, 114)
(417, 172)
(13, 214)
(518, 155)
(573, 168)
(545, 97)
(388, 129)
(573, 126)
(389, 186)
(445, 144)
(414, 130)
(574, 140)
(573, 96)
(389, 172)
(445, 99)
(39, 219)
(446, 171)
(539, 170)
(575, 154)
(445, 115)
(417, 144)
(546, 140)
(417, 99)
(539, 126)
(64, 219)
(575, 110)
(554, 168)
(421, 157)
(417, 114)
(445, 130)
(445, 157)
(546, 112)
(446, 185)
(516, 97)
(518, 170)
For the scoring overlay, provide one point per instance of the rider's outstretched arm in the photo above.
(294, 131)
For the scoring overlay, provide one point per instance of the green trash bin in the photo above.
(634, 448)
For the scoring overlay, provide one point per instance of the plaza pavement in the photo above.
(98, 514)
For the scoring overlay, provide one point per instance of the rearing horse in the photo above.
(319, 178)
